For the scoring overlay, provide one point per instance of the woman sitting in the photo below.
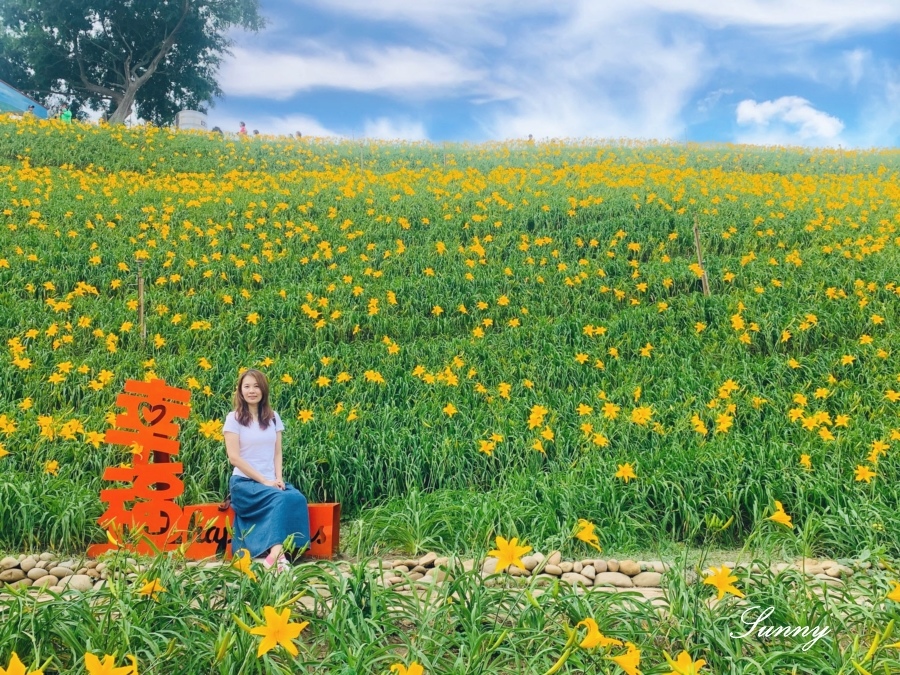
(267, 510)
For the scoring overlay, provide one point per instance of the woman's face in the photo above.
(250, 390)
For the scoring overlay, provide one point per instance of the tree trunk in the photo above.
(124, 105)
(125, 102)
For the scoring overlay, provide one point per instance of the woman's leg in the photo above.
(296, 506)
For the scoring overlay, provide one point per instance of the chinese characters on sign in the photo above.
(148, 429)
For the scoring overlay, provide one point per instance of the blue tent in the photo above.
(13, 100)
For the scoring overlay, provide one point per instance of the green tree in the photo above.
(155, 56)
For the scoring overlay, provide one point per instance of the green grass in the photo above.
(465, 625)
(322, 235)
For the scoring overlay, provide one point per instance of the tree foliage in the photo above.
(155, 56)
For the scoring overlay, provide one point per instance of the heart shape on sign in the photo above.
(158, 410)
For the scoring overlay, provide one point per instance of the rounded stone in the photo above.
(433, 576)
(46, 581)
(576, 579)
(489, 566)
(12, 575)
(629, 567)
(28, 564)
(577, 566)
(600, 566)
(831, 581)
(530, 562)
(37, 573)
(77, 582)
(588, 571)
(565, 566)
(612, 565)
(21, 583)
(428, 559)
(45, 556)
(647, 579)
(8, 563)
(554, 558)
(60, 572)
(616, 579)
(555, 570)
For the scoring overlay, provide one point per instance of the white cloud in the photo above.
(388, 129)
(570, 83)
(712, 98)
(830, 16)
(568, 68)
(271, 125)
(790, 118)
(879, 113)
(383, 128)
(854, 62)
(280, 75)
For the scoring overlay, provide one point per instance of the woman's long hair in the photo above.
(242, 410)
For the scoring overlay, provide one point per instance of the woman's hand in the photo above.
(279, 484)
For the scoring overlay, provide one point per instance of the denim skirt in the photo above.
(266, 516)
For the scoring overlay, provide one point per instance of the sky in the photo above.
(785, 72)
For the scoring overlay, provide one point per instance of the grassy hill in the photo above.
(463, 340)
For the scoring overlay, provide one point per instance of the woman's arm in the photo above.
(278, 461)
(233, 448)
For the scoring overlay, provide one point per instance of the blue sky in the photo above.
(788, 72)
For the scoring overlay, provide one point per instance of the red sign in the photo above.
(145, 511)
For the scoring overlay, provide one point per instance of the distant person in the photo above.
(30, 110)
(66, 115)
(217, 130)
(256, 132)
(298, 135)
(243, 129)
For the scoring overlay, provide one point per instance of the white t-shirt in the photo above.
(257, 445)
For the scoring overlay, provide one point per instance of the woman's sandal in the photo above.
(282, 563)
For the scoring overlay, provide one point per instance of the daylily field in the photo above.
(465, 342)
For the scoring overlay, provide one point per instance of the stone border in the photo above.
(48, 572)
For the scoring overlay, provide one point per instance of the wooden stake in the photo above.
(141, 301)
(704, 279)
